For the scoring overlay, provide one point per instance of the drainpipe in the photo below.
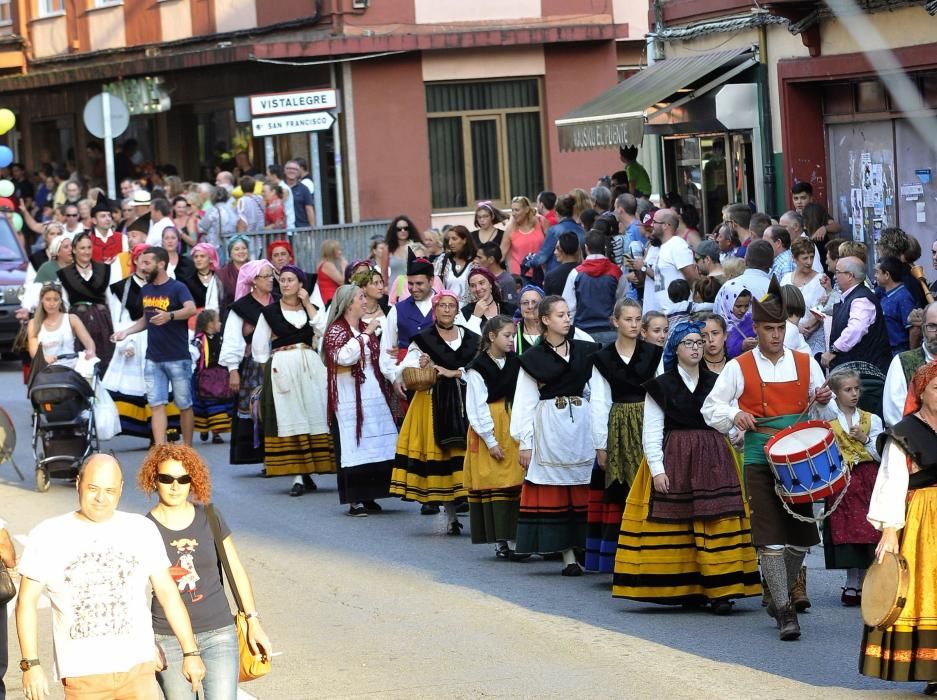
(764, 122)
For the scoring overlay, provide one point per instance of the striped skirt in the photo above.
(552, 518)
(299, 454)
(675, 562)
(907, 651)
(423, 471)
(211, 415)
(494, 487)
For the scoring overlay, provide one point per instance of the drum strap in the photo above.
(755, 440)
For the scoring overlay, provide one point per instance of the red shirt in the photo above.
(105, 250)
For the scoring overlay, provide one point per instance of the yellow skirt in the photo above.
(482, 471)
(682, 562)
(299, 454)
(907, 651)
(423, 471)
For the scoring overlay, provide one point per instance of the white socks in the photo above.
(451, 514)
(298, 479)
(854, 578)
(569, 557)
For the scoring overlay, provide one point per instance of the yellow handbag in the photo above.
(251, 666)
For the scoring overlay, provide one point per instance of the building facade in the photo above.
(441, 103)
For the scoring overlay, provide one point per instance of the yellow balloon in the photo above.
(7, 120)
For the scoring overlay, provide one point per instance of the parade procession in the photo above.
(533, 351)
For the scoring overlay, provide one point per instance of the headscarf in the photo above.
(442, 294)
(925, 374)
(300, 275)
(135, 254)
(238, 239)
(681, 331)
(209, 250)
(246, 275)
(280, 244)
(526, 288)
(492, 280)
(55, 244)
(352, 268)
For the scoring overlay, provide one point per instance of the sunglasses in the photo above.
(403, 228)
(167, 479)
(71, 216)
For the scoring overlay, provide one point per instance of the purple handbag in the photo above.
(211, 384)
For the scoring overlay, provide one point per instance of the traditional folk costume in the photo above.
(431, 446)
(494, 486)
(617, 402)
(124, 377)
(849, 539)
(692, 544)
(552, 418)
(87, 295)
(776, 394)
(211, 415)
(247, 437)
(293, 399)
(359, 404)
(905, 498)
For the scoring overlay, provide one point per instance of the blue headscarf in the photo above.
(680, 331)
(526, 288)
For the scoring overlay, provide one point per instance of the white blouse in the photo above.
(476, 405)
(652, 436)
(263, 335)
(412, 358)
(874, 431)
(889, 497)
(233, 343)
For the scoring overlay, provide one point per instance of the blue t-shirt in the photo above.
(896, 305)
(301, 197)
(170, 341)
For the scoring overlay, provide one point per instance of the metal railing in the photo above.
(355, 240)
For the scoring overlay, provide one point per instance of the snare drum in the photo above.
(885, 591)
(806, 462)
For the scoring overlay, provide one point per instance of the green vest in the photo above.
(911, 360)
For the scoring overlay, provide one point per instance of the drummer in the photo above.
(905, 498)
(761, 392)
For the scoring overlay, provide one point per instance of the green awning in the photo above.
(617, 117)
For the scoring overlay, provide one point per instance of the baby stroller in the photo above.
(64, 433)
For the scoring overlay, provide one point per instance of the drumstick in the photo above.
(812, 402)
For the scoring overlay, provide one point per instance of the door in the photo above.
(916, 169)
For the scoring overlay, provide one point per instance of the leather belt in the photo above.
(767, 431)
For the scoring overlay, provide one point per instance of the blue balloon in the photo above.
(6, 156)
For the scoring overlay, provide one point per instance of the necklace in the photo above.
(556, 348)
(711, 363)
(923, 417)
(83, 267)
(288, 305)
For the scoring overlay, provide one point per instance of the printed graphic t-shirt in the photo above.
(96, 576)
(170, 341)
(196, 570)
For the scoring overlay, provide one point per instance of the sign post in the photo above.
(107, 117)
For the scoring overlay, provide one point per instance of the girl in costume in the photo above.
(212, 415)
(620, 370)
(493, 476)
(685, 534)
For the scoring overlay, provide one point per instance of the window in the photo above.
(107, 3)
(51, 8)
(485, 142)
(6, 17)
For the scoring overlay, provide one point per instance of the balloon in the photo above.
(17, 221)
(7, 204)
(6, 156)
(7, 120)
(6, 188)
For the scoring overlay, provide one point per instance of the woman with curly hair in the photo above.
(182, 483)
(400, 233)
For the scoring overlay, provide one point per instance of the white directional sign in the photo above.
(288, 102)
(292, 123)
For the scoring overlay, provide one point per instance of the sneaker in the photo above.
(799, 598)
(851, 597)
(429, 509)
(789, 627)
(372, 506)
(572, 570)
(357, 511)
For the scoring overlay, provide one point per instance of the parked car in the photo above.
(13, 266)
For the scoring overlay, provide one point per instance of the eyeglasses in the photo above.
(930, 327)
(530, 302)
(692, 344)
(447, 307)
(264, 277)
(167, 479)
(843, 272)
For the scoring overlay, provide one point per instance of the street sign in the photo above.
(106, 117)
(292, 123)
(94, 115)
(288, 102)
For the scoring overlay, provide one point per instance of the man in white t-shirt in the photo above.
(160, 220)
(94, 564)
(674, 261)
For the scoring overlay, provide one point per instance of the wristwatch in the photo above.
(172, 315)
(26, 664)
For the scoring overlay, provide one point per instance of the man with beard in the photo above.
(904, 365)
(167, 306)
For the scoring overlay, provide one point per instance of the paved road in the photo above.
(388, 606)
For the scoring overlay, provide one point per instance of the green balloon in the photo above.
(6, 188)
(17, 221)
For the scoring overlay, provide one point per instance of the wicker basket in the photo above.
(419, 378)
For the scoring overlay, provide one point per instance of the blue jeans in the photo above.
(222, 666)
(157, 377)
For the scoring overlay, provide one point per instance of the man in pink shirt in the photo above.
(858, 332)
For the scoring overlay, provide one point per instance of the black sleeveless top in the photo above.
(91, 291)
(134, 304)
(284, 332)
(500, 381)
(681, 407)
(627, 379)
(556, 376)
(504, 308)
(429, 341)
(917, 440)
(249, 310)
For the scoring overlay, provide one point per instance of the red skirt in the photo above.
(849, 523)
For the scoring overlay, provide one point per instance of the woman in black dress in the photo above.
(85, 283)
